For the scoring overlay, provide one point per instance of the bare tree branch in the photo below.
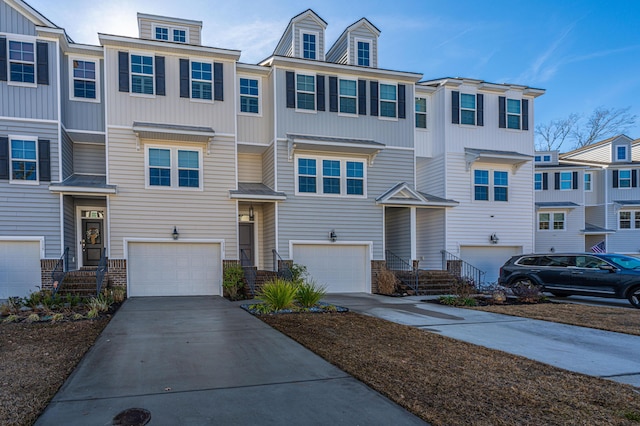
(553, 134)
(603, 123)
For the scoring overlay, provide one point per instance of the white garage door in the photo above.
(174, 269)
(341, 268)
(488, 259)
(19, 268)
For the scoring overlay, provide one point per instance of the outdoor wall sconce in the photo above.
(493, 238)
(251, 216)
(175, 233)
(333, 236)
(552, 249)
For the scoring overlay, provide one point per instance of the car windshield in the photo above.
(624, 261)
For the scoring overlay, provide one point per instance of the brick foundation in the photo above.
(376, 267)
(117, 272)
(46, 268)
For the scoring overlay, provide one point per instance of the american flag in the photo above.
(599, 248)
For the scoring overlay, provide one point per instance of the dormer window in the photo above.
(364, 53)
(542, 158)
(169, 33)
(621, 153)
(180, 36)
(162, 33)
(309, 45)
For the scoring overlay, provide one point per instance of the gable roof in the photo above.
(309, 13)
(402, 195)
(362, 22)
(594, 145)
(30, 13)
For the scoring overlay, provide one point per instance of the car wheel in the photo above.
(634, 297)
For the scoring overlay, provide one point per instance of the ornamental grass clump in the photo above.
(278, 294)
(309, 294)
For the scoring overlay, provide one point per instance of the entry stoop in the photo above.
(431, 283)
(81, 283)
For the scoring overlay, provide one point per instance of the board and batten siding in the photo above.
(138, 212)
(82, 115)
(249, 168)
(38, 103)
(472, 222)
(398, 231)
(391, 132)
(430, 237)
(89, 159)
(568, 240)
(12, 21)
(125, 108)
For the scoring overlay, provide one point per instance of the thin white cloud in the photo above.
(546, 64)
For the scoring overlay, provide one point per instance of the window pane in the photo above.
(159, 177)
(23, 73)
(513, 121)
(180, 36)
(468, 101)
(188, 159)
(355, 169)
(347, 88)
(387, 109)
(421, 105)
(309, 46)
(306, 184)
(566, 180)
(388, 92)
(513, 106)
(201, 90)
(482, 193)
(248, 87)
(481, 177)
(248, 104)
(330, 168)
(189, 178)
(500, 178)
(23, 149)
(159, 157)
(162, 33)
(306, 101)
(421, 121)
(348, 105)
(355, 187)
(23, 170)
(500, 193)
(331, 185)
(467, 117)
(363, 54)
(622, 152)
(306, 166)
(537, 181)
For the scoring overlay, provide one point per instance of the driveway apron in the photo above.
(203, 360)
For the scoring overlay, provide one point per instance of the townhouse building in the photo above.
(588, 199)
(168, 157)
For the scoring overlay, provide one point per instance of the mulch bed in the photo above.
(447, 382)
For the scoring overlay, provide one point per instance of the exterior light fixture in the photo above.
(493, 238)
(175, 233)
(552, 249)
(251, 215)
(333, 236)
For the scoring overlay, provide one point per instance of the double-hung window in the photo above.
(364, 53)
(629, 219)
(24, 160)
(348, 96)
(490, 185)
(85, 78)
(551, 221)
(537, 181)
(201, 80)
(621, 153)
(336, 176)
(500, 186)
(624, 179)
(481, 185)
(513, 114)
(388, 100)
(306, 92)
(22, 62)
(566, 181)
(249, 95)
(421, 113)
(142, 74)
(174, 168)
(467, 109)
(309, 46)
(588, 181)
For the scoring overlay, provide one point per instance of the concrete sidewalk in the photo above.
(203, 360)
(589, 351)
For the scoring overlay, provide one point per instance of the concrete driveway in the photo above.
(202, 361)
(589, 351)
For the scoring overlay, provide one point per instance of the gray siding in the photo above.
(89, 159)
(257, 128)
(430, 238)
(308, 24)
(70, 230)
(567, 240)
(398, 231)
(338, 52)
(595, 215)
(67, 156)
(285, 47)
(11, 21)
(268, 167)
(268, 234)
(81, 115)
(249, 168)
(363, 33)
(40, 130)
(429, 175)
(39, 102)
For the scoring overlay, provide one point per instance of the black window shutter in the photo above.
(42, 62)
(634, 178)
(545, 181)
(123, 71)
(575, 180)
(502, 112)
(333, 94)
(320, 98)
(291, 89)
(184, 78)
(455, 107)
(556, 178)
(4, 158)
(615, 178)
(373, 88)
(218, 82)
(44, 160)
(480, 109)
(160, 80)
(402, 101)
(3, 59)
(362, 97)
(525, 114)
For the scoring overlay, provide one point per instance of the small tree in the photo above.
(233, 280)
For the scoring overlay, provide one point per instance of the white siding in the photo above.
(398, 231)
(430, 237)
(567, 240)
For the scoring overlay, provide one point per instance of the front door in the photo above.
(92, 241)
(246, 244)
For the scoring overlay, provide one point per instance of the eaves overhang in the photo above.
(173, 132)
(367, 147)
(514, 159)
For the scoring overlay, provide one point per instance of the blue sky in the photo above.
(584, 53)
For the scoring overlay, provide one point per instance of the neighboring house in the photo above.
(589, 199)
(170, 157)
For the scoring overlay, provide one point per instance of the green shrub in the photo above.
(33, 318)
(100, 303)
(11, 318)
(233, 280)
(309, 293)
(57, 317)
(298, 273)
(278, 294)
(33, 300)
(457, 301)
(93, 313)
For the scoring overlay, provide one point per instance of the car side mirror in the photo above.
(608, 268)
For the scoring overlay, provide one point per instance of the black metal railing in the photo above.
(250, 272)
(281, 267)
(60, 271)
(403, 269)
(101, 271)
(461, 269)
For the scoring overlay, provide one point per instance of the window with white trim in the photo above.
(179, 36)
(364, 53)
(467, 109)
(330, 176)
(176, 168)
(84, 79)
(348, 96)
(513, 114)
(490, 185)
(621, 153)
(629, 219)
(22, 62)
(421, 113)
(306, 92)
(566, 181)
(537, 181)
(249, 95)
(23, 159)
(169, 33)
(624, 179)
(162, 33)
(142, 77)
(551, 221)
(201, 80)
(388, 100)
(588, 181)
(309, 45)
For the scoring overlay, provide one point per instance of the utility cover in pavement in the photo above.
(132, 417)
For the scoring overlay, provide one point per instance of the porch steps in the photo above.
(430, 282)
(81, 283)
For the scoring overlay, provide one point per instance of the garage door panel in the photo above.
(341, 268)
(174, 269)
(20, 272)
(488, 259)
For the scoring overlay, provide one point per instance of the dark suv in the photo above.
(586, 274)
